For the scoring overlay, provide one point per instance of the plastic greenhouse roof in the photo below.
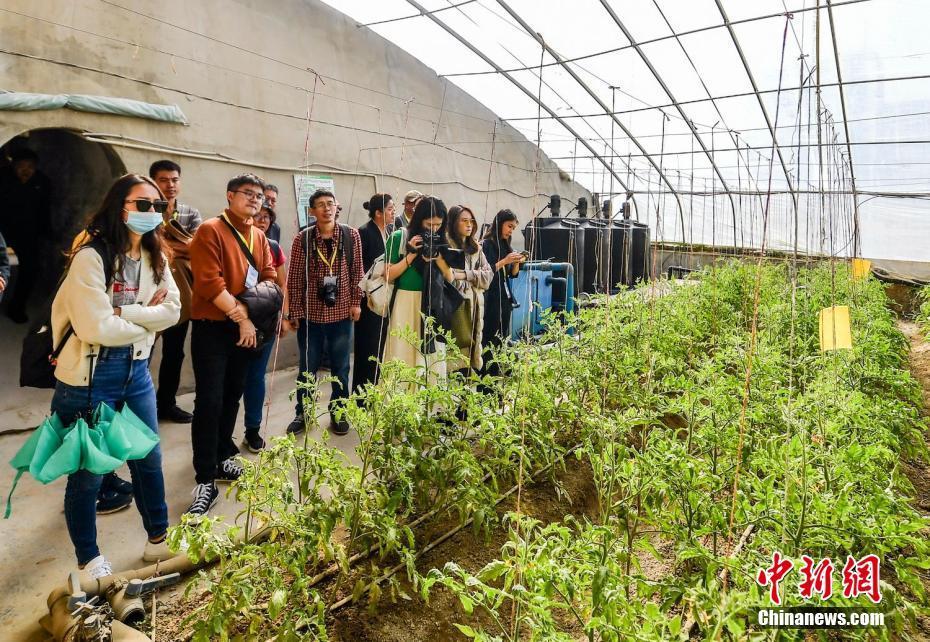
(696, 88)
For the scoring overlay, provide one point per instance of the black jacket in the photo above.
(24, 209)
(497, 302)
(372, 244)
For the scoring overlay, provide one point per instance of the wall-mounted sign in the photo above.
(304, 186)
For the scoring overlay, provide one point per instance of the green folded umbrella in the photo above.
(101, 446)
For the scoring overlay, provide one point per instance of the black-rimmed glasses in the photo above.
(252, 196)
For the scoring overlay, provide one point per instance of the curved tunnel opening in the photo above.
(43, 215)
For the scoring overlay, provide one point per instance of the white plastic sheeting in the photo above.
(884, 63)
(22, 101)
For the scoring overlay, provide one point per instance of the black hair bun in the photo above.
(365, 205)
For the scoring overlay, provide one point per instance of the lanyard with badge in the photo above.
(251, 275)
(332, 260)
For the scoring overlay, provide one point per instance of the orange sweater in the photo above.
(218, 263)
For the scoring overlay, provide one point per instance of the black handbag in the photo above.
(264, 300)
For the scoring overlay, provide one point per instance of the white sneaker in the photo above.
(160, 552)
(98, 567)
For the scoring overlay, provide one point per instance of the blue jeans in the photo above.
(253, 397)
(118, 379)
(310, 340)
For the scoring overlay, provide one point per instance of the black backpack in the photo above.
(38, 358)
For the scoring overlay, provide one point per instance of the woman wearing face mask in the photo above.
(471, 275)
(410, 265)
(253, 398)
(118, 292)
(497, 300)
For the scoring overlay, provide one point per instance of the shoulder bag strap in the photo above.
(107, 275)
(240, 243)
(402, 250)
(348, 248)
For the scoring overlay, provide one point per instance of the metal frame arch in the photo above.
(839, 82)
(755, 90)
(519, 86)
(677, 105)
(607, 110)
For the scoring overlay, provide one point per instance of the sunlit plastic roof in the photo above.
(696, 89)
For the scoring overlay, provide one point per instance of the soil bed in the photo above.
(413, 619)
(918, 472)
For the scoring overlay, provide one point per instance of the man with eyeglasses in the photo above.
(323, 301)
(223, 335)
(271, 202)
(181, 221)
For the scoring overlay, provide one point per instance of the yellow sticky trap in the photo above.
(834, 329)
(861, 268)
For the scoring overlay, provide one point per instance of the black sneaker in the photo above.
(296, 426)
(254, 442)
(205, 496)
(113, 482)
(340, 427)
(175, 415)
(229, 470)
(110, 501)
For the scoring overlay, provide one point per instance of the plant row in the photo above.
(685, 450)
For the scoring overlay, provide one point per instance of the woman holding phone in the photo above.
(498, 299)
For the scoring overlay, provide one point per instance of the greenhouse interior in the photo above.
(593, 321)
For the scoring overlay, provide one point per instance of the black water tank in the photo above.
(630, 250)
(639, 253)
(560, 240)
(616, 255)
(596, 243)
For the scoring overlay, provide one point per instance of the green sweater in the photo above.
(411, 279)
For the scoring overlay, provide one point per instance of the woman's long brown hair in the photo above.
(107, 225)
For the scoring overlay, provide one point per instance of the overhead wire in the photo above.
(655, 40)
(743, 94)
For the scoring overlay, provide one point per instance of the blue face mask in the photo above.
(143, 222)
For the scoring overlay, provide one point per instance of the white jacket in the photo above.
(83, 301)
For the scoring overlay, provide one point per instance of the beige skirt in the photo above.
(405, 317)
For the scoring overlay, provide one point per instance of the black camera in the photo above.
(328, 291)
(433, 244)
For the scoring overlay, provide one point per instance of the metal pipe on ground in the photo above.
(60, 623)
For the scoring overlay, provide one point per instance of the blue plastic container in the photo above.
(533, 289)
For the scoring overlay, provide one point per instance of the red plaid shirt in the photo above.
(305, 278)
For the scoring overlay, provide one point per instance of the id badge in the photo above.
(251, 278)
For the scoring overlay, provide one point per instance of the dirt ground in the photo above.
(413, 620)
(407, 621)
(919, 472)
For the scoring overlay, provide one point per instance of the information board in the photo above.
(304, 186)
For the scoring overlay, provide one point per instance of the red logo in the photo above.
(774, 574)
(860, 577)
(817, 579)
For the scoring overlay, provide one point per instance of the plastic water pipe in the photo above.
(569, 269)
